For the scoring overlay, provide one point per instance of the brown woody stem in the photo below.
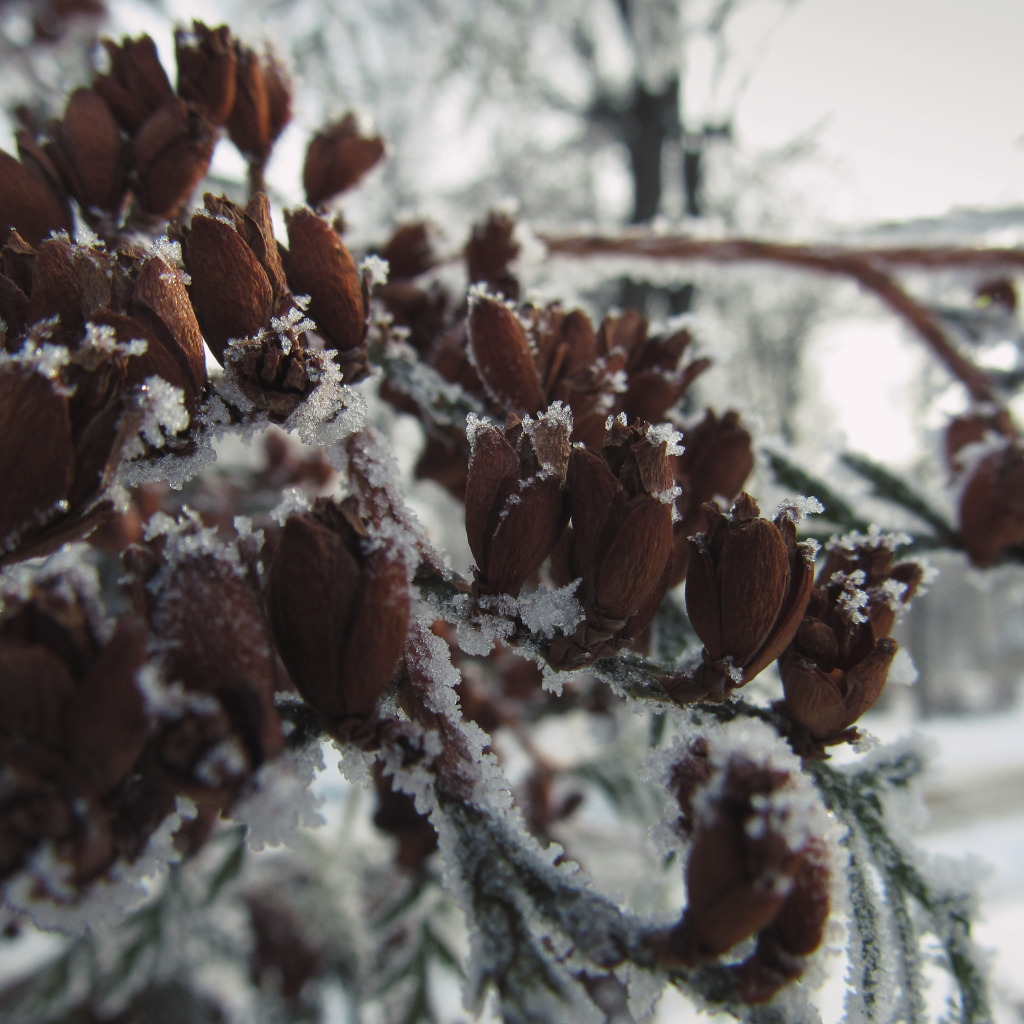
(863, 265)
(257, 179)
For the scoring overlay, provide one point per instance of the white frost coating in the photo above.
(666, 434)
(810, 549)
(551, 680)
(87, 239)
(479, 292)
(43, 358)
(868, 741)
(643, 991)
(929, 574)
(545, 611)
(433, 662)
(701, 540)
(106, 901)
(797, 508)
(902, 671)
(475, 425)
(482, 837)
(618, 382)
(221, 218)
(169, 252)
(223, 763)
(331, 412)
(294, 501)
(39, 518)
(557, 418)
(356, 766)
(952, 883)
(874, 538)
(511, 501)
(163, 411)
(176, 469)
(227, 386)
(415, 780)
(171, 701)
(186, 538)
(280, 800)
(868, 946)
(621, 418)
(374, 270)
(853, 599)
(480, 635)
(668, 497)
(892, 593)
(422, 382)
(102, 339)
(246, 533)
(400, 527)
(69, 573)
(292, 324)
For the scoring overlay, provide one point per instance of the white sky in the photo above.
(923, 101)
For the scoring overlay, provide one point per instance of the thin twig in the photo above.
(862, 265)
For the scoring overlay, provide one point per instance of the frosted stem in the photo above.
(859, 798)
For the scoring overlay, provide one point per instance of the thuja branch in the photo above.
(858, 798)
(443, 402)
(893, 489)
(862, 265)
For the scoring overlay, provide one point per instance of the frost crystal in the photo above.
(292, 323)
(356, 766)
(43, 358)
(102, 339)
(892, 592)
(87, 239)
(474, 425)
(479, 636)
(552, 681)
(106, 901)
(222, 763)
(874, 538)
(903, 671)
(545, 611)
(282, 800)
(666, 434)
(797, 508)
(171, 701)
(810, 549)
(479, 292)
(668, 497)
(618, 382)
(557, 416)
(170, 252)
(331, 412)
(375, 271)
(853, 600)
(163, 411)
(161, 415)
(186, 538)
(69, 575)
(293, 500)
